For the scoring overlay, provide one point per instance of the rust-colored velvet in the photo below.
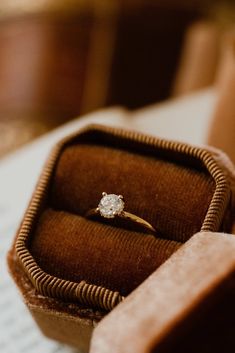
(172, 197)
(170, 190)
(66, 322)
(187, 305)
(117, 255)
(69, 246)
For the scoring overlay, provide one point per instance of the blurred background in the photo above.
(60, 59)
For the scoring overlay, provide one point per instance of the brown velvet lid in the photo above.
(179, 189)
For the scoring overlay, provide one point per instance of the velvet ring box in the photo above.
(73, 270)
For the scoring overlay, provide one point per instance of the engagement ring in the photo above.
(112, 205)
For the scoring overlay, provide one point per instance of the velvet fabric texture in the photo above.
(183, 307)
(66, 322)
(116, 258)
(170, 184)
(173, 197)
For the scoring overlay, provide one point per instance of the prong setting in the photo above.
(111, 205)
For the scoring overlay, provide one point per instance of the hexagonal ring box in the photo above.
(72, 270)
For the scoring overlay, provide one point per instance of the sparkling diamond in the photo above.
(111, 205)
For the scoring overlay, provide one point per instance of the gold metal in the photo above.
(122, 214)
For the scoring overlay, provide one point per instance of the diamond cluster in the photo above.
(111, 205)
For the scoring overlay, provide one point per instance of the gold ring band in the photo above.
(112, 205)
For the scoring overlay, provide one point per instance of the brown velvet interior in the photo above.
(109, 256)
(173, 197)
